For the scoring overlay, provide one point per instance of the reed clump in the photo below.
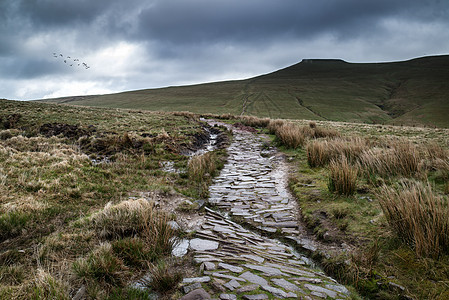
(418, 216)
(342, 176)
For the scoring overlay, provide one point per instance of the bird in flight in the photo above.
(70, 59)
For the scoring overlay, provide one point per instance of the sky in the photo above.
(119, 45)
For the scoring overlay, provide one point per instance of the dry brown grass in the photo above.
(254, 121)
(342, 177)
(201, 165)
(321, 152)
(418, 216)
(400, 158)
(123, 219)
(290, 135)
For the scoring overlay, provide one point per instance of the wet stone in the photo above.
(253, 278)
(228, 297)
(254, 257)
(187, 289)
(248, 288)
(275, 291)
(202, 244)
(231, 268)
(198, 294)
(255, 297)
(232, 284)
(196, 279)
(269, 271)
(240, 278)
(337, 288)
(319, 289)
(286, 285)
(209, 266)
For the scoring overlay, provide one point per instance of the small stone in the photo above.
(232, 285)
(255, 297)
(196, 279)
(318, 294)
(338, 288)
(396, 286)
(187, 289)
(275, 291)
(218, 286)
(247, 288)
(203, 245)
(228, 297)
(286, 285)
(198, 294)
(311, 280)
(253, 278)
(216, 274)
(269, 271)
(80, 294)
(231, 268)
(209, 266)
(254, 257)
(320, 289)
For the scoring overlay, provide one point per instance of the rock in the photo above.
(311, 280)
(228, 297)
(218, 286)
(253, 278)
(198, 294)
(80, 294)
(187, 289)
(269, 271)
(247, 288)
(255, 297)
(232, 285)
(286, 285)
(274, 291)
(338, 288)
(254, 257)
(196, 279)
(180, 248)
(209, 266)
(174, 225)
(216, 274)
(231, 268)
(396, 286)
(319, 289)
(203, 245)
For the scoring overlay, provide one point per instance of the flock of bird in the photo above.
(71, 61)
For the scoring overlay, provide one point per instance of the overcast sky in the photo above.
(137, 44)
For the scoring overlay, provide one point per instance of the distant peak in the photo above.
(320, 60)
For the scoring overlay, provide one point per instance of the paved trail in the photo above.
(243, 262)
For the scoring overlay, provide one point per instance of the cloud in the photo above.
(138, 44)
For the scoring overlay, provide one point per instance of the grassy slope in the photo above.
(410, 92)
(49, 187)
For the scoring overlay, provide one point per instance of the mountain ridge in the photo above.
(412, 92)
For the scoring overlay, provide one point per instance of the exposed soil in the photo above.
(69, 131)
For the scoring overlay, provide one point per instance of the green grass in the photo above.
(410, 93)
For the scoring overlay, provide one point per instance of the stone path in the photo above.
(239, 263)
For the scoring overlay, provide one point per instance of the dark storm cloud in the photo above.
(139, 43)
(205, 21)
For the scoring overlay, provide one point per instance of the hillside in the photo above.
(413, 92)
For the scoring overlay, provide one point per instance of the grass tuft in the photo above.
(102, 265)
(342, 177)
(290, 135)
(418, 216)
(165, 276)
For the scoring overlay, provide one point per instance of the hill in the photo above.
(413, 92)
